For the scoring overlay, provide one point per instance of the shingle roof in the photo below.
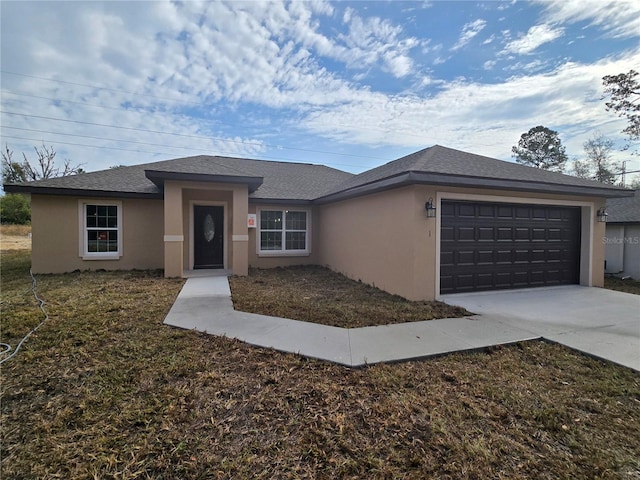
(453, 163)
(280, 180)
(305, 182)
(624, 210)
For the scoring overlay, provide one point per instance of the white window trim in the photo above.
(82, 231)
(283, 253)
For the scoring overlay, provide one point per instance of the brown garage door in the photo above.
(490, 246)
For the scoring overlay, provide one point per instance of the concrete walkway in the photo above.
(204, 304)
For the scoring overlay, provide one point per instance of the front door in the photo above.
(208, 233)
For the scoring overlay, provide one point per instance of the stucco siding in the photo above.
(56, 227)
(382, 239)
(385, 239)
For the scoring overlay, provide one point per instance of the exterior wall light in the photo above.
(430, 208)
(602, 215)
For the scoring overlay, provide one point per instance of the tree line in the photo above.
(540, 147)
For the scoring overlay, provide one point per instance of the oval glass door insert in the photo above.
(209, 228)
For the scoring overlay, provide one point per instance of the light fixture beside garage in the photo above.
(602, 215)
(430, 208)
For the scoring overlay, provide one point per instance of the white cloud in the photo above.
(489, 40)
(536, 36)
(374, 40)
(619, 18)
(489, 64)
(196, 68)
(469, 30)
(483, 118)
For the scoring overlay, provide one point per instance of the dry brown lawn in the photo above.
(316, 294)
(15, 237)
(104, 390)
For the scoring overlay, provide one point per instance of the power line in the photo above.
(192, 136)
(360, 127)
(100, 88)
(208, 150)
(74, 102)
(261, 157)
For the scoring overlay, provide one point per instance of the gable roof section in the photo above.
(278, 181)
(624, 210)
(439, 165)
(306, 183)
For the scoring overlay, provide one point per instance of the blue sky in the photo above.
(348, 84)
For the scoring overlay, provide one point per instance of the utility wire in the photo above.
(75, 102)
(208, 150)
(360, 127)
(261, 157)
(100, 88)
(191, 136)
(41, 304)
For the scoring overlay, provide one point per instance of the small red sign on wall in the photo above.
(251, 220)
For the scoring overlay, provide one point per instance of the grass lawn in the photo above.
(316, 294)
(104, 390)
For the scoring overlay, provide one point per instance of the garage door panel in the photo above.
(487, 246)
(523, 213)
(486, 234)
(538, 234)
(504, 234)
(466, 234)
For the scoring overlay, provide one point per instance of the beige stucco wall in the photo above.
(257, 261)
(180, 198)
(56, 227)
(385, 239)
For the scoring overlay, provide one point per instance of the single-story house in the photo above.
(434, 222)
(622, 240)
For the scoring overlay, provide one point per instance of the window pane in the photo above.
(112, 245)
(271, 220)
(101, 228)
(296, 220)
(271, 240)
(92, 241)
(296, 241)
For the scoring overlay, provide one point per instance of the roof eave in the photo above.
(441, 179)
(280, 201)
(78, 192)
(159, 177)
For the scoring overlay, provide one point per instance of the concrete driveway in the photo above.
(603, 323)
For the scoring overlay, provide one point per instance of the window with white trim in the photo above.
(283, 232)
(101, 233)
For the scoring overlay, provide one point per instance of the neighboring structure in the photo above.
(490, 224)
(622, 241)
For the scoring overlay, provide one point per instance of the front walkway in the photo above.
(204, 304)
(598, 322)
